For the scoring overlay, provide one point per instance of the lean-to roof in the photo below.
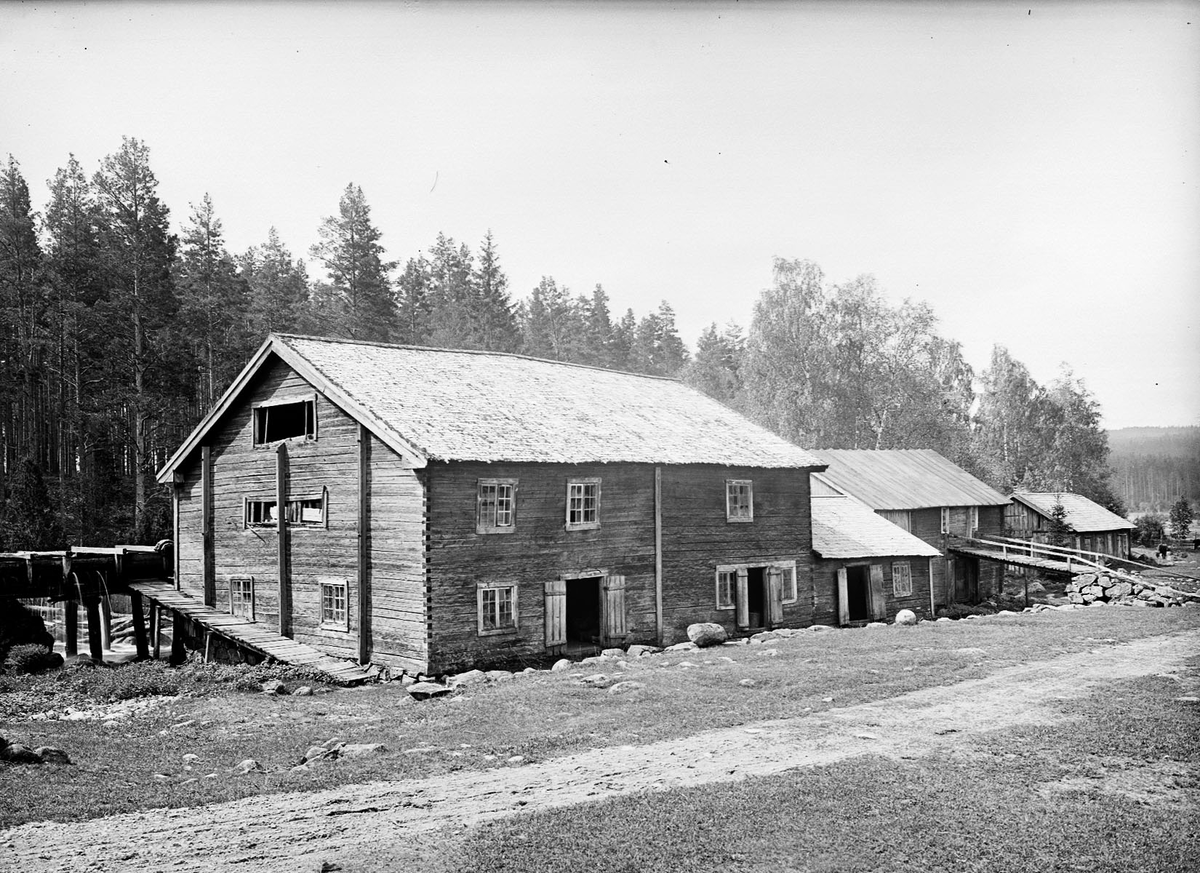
(1084, 515)
(846, 528)
(905, 479)
(440, 405)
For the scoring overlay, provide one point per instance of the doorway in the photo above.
(966, 579)
(583, 612)
(756, 598)
(858, 593)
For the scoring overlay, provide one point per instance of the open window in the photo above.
(496, 506)
(497, 605)
(275, 422)
(301, 512)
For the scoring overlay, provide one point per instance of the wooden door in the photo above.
(878, 601)
(843, 597)
(774, 597)
(556, 612)
(614, 608)
(743, 598)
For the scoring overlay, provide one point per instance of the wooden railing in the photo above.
(1074, 558)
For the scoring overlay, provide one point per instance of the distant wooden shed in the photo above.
(867, 568)
(933, 499)
(432, 509)
(1093, 528)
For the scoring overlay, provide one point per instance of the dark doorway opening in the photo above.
(966, 580)
(583, 612)
(756, 599)
(858, 593)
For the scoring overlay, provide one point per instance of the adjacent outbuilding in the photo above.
(1092, 527)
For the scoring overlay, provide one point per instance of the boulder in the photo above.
(1035, 587)
(820, 628)
(303, 691)
(499, 676)
(52, 755)
(1106, 581)
(426, 690)
(764, 637)
(471, 677)
(316, 753)
(249, 766)
(560, 665)
(1084, 579)
(706, 633)
(273, 686)
(906, 618)
(19, 753)
(612, 653)
(877, 624)
(688, 646)
(1119, 591)
(1075, 598)
(626, 687)
(358, 750)
(637, 651)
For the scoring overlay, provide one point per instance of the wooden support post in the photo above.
(206, 522)
(285, 589)
(364, 545)
(93, 622)
(71, 625)
(658, 556)
(155, 630)
(139, 626)
(207, 645)
(178, 650)
(106, 622)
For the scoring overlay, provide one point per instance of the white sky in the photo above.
(1030, 170)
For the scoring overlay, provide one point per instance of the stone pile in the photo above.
(1087, 588)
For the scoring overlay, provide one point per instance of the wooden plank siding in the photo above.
(926, 524)
(824, 595)
(697, 538)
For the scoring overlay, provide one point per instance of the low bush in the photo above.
(31, 658)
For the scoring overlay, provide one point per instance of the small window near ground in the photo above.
(902, 579)
(241, 596)
(583, 504)
(275, 422)
(496, 506)
(726, 589)
(497, 608)
(303, 512)
(739, 500)
(333, 604)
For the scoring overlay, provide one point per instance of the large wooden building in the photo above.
(867, 568)
(1092, 527)
(433, 509)
(933, 499)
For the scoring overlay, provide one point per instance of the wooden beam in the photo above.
(95, 645)
(178, 650)
(139, 626)
(206, 514)
(658, 556)
(71, 625)
(155, 630)
(364, 545)
(285, 590)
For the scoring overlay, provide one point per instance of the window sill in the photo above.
(592, 526)
(334, 627)
(499, 632)
(739, 520)
(496, 530)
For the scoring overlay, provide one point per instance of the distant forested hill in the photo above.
(1155, 466)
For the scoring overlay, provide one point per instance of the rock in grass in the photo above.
(906, 618)
(687, 646)
(706, 633)
(764, 637)
(358, 750)
(612, 653)
(626, 687)
(426, 690)
(52, 755)
(560, 665)
(471, 677)
(819, 628)
(637, 651)
(303, 691)
(273, 686)
(249, 766)
(316, 753)
(19, 753)
(875, 624)
(598, 680)
(748, 683)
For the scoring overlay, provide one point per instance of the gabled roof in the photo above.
(843, 527)
(440, 405)
(906, 479)
(1084, 515)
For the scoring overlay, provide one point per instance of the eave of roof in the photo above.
(906, 479)
(847, 528)
(1083, 515)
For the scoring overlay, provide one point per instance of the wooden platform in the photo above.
(249, 634)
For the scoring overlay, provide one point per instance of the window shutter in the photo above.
(843, 597)
(743, 598)
(556, 612)
(774, 596)
(614, 608)
(878, 602)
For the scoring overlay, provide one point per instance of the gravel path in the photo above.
(289, 832)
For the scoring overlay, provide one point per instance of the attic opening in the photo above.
(583, 611)
(285, 421)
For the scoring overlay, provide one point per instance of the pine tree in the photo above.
(278, 288)
(715, 369)
(1057, 527)
(28, 519)
(497, 322)
(413, 304)
(1181, 519)
(358, 275)
(455, 319)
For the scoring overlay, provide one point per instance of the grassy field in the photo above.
(138, 762)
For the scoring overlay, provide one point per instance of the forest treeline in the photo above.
(1154, 466)
(117, 334)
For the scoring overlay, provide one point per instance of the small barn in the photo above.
(1092, 527)
(866, 569)
(936, 501)
(431, 509)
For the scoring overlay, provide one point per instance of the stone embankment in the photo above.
(1089, 588)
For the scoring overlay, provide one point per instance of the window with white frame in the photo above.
(275, 422)
(902, 579)
(496, 506)
(241, 596)
(497, 607)
(334, 603)
(726, 589)
(303, 511)
(583, 504)
(790, 594)
(739, 500)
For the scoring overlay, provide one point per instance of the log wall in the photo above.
(825, 588)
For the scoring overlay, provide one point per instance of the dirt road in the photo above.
(289, 832)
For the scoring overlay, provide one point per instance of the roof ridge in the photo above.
(481, 352)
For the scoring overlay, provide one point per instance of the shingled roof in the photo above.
(843, 527)
(439, 405)
(1084, 515)
(906, 479)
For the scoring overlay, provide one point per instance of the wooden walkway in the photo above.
(992, 554)
(249, 634)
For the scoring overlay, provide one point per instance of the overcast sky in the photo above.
(1029, 170)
